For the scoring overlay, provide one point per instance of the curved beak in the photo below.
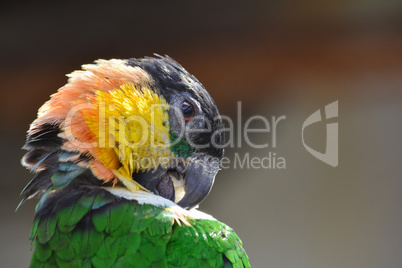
(187, 186)
(199, 176)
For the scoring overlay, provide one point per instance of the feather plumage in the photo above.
(87, 215)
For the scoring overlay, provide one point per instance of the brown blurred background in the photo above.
(277, 58)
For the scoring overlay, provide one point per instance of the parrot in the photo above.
(122, 155)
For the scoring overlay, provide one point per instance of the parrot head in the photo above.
(138, 124)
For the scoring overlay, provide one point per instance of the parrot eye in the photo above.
(188, 111)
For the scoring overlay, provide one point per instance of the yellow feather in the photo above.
(130, 125)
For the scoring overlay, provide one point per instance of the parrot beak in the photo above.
(199, 177)
(185, 185)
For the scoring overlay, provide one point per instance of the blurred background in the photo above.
(277, 58)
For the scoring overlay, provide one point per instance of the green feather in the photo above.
(106, 254)
(32, 234)
(69, 217)
(134, 245)
(123, 262)
(42, 252)
(160, 264)
(126, 221)
(46, 229)
(86, 263)
(66, 255)
(121, 244)
(214, 239)
(151, 251)
(100, 221)
(138, 260)
(51, 263)
(36, 263)
(180, 146)
(60, 241)
(94, 202)
(232, 256)
(107, 251)
(86, 243)
(100, 201)
(146, 215)
(161, 225)
(74, 263)
(127, 234)
(117, 214)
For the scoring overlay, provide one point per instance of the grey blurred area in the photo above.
(277, 59)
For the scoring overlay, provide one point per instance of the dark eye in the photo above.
(188, 110)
